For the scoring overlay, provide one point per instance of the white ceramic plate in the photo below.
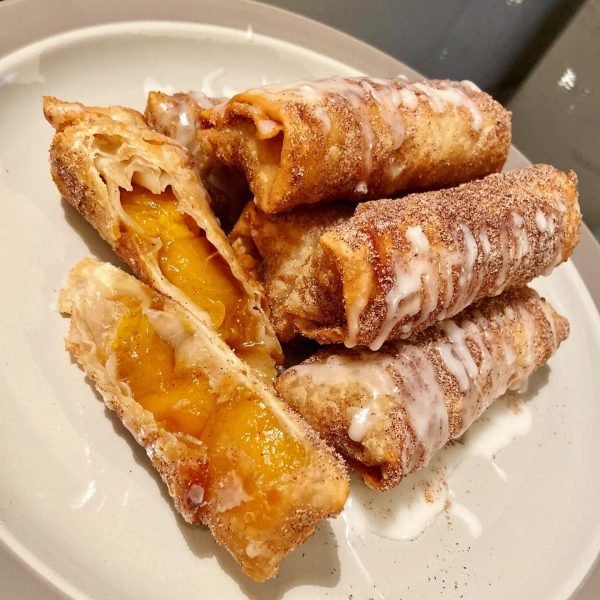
(79, 504)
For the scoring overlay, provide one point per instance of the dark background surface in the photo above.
(518, 50)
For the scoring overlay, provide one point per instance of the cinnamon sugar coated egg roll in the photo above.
(389, 411)
(397, 266)
(357, 138)
(141, 192)
(233, 456)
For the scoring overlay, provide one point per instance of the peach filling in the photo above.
(250, 456)
(191, 263)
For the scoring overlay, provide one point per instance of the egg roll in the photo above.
(395, 267)
(389, 412)
(356, 138)
(232, 455)
(140, 191)
(177, 116)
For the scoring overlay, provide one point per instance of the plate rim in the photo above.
(339, 46)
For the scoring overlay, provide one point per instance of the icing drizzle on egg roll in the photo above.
(389, 411)
(356, 138)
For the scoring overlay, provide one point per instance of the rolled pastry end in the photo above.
(389, 412)
(357, 138)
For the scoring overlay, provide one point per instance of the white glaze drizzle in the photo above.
(377, 374)
(230, 492)
(404, 297)
(541, 221)
(423, 401)
(418, 240)
(485, 356)
(520, 236)
(176, 115)
(361, 187)
(442, 97)
(404, 513)
(504, 249)
(196, 494)
(486, 247)
(388, 95)
(355, 308)
(266, 127)
(374, 378)
(497, 365)
(417, 282)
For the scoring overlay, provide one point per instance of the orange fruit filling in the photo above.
(250, 456)
(191, 263)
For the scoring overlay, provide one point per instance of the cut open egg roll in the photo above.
(178, 116)
(232, 455)
(395, 267)
(356, 138)
(389, 411)
(141, 192)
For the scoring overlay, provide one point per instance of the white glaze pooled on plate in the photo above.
(404, 513)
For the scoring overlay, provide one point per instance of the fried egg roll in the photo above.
(357, 138)
(177, 116)
(141, 192)
(397, 266)
(233, 456)
(388, 412)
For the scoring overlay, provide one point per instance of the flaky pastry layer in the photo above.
(96, 157)
(97, 297)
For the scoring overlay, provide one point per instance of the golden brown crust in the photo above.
(398, 266)
(317, 491)
(63, 114)
(178, 116)
(357, 138)
(93, 155)
(491, 346)
(278, 249)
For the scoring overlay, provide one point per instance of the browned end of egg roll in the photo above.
(397, 266)
(389, 411)
(357, 138)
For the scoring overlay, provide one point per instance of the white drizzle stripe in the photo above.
(486, 354)
(388, 97)
(497, 365)
(425, 280)
(418, 281)
(373, 376)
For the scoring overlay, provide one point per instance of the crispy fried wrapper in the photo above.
(396, 267)
(178, 116)
(140, 191)
(388, 412)
(356, 138)
(233, 456)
